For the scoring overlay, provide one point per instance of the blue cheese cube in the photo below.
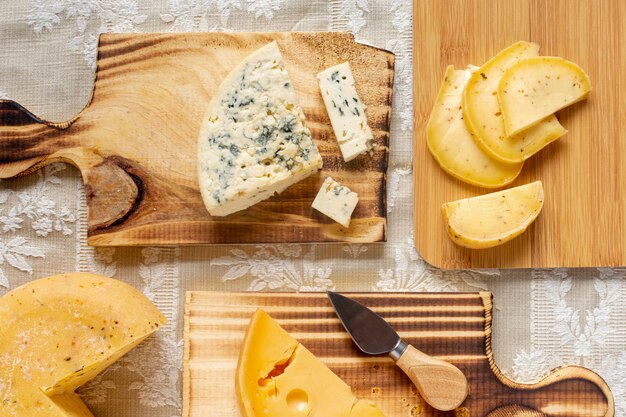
(336, 201)
(346, 111)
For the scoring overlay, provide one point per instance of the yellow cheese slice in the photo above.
(59, 332)
(451, 144)
(537, 87)
(278, 377)
(483, 116)
(492, 219)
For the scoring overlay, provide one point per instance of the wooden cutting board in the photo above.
(583, 222)
(135, 143)
(454, 327)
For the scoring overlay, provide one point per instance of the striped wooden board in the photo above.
(454, 327)
(135, 143)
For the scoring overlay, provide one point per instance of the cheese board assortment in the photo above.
(240, 118)
(220, 138)
(507, 77)
(60, 332)
(485, 123)
(453, 327)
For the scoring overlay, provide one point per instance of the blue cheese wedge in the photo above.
(253, 142)
(336, 201)
(346, 111)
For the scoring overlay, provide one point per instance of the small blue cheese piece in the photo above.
(253, 142)
(336, 201)
(346, 111)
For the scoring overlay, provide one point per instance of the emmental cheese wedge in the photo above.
(493, 219)
(537, 87)
(278, 377)
(57, 333)
(253, 142)
(483, 115)
(452, 145)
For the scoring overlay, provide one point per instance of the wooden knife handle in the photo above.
(441, 384)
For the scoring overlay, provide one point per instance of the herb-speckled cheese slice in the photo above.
(346, 111)
(490, 220)
(57, 333)
(278, 377)
(537, 87)
(253, 142)
(336, 201)
(483, 116)
(451, 144)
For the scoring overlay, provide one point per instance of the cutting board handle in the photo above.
(561, 386)
(27, 142)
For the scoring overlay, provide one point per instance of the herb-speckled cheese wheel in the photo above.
(57, 333)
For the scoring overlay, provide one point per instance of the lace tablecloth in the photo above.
(543, 318)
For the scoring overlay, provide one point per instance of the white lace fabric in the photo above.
(542, 318)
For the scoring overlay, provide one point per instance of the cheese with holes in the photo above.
(537, 87)
(483, 115)
(452, 145)
(346, 111)
(278, 377)
(253, 142)
(57, 333)
(336, 201)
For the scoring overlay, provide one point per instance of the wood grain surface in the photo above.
(135, 143)
(453, 327)
(583, 222)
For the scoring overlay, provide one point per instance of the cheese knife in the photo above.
(442, 385)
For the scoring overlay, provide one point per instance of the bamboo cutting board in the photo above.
(135, 143)
(453, 327)
(583, 222)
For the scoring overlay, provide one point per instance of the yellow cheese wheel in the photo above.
(278, 377)
(451, 144)
(492, 219)
(57, 333)
(483, 115)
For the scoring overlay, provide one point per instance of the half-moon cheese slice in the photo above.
(278, 377)
(483, 115)
(492, 219)
(57, 333)
(538, 87)
(452, 145)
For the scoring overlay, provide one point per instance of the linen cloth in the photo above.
(542, 318)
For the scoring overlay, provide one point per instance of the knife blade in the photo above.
(442, 385)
